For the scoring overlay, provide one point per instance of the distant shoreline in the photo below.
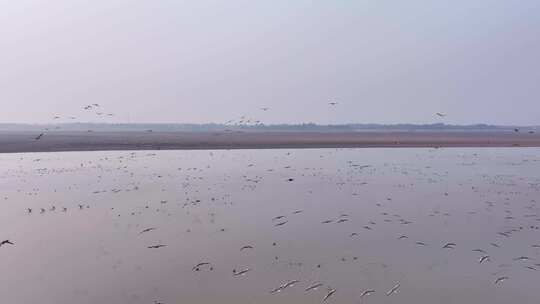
(59, 141)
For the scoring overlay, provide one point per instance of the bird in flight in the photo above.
(449, 245)
(367, 293)
(198, 266)
(39, 136)
(333, 103)
(5, 242)
(241, 272)
(440, 114)
(501, 279)
(314, 286)
(393, 290)
(156, 246)
(480, 250)
(145, 230)
(483, 259)
(330, 293)
(290, 283)
(522, 258)
(246, 247)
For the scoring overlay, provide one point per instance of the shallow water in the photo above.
(207, 205)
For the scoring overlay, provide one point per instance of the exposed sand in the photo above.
(14, 142)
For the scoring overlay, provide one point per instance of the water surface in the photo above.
(391, 213)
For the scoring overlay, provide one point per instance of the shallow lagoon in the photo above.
(206, 205)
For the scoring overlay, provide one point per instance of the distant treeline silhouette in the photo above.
(209, 127)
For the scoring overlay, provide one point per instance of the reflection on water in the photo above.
(352, 220)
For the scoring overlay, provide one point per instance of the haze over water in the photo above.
(206, 205)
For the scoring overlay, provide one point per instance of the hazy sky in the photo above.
(211, 61)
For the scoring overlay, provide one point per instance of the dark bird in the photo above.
(501, 279)
(5, 242)
(156, 246)
(241, 272)
(281, 223)
(483, 259)
(39, 136)
(145, 230)
(246, 247)
(196, 267)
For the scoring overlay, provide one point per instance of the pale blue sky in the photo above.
(211, 61)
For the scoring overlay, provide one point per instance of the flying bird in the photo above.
(367, 293)
(145, 230)
(199, 265)
(393, 290)
(449, 245)
(314, 286)
(330, 293)
(501, 279)
(483, 259)
(5, 242)
(156, 246)
(39, 136)
(241, 273)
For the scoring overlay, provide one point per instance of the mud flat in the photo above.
(16, 142)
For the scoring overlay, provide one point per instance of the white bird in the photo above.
(367, 293)
(329, 294)
(501, 279)
(393, 290)
(314, 286)
(483, 258)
